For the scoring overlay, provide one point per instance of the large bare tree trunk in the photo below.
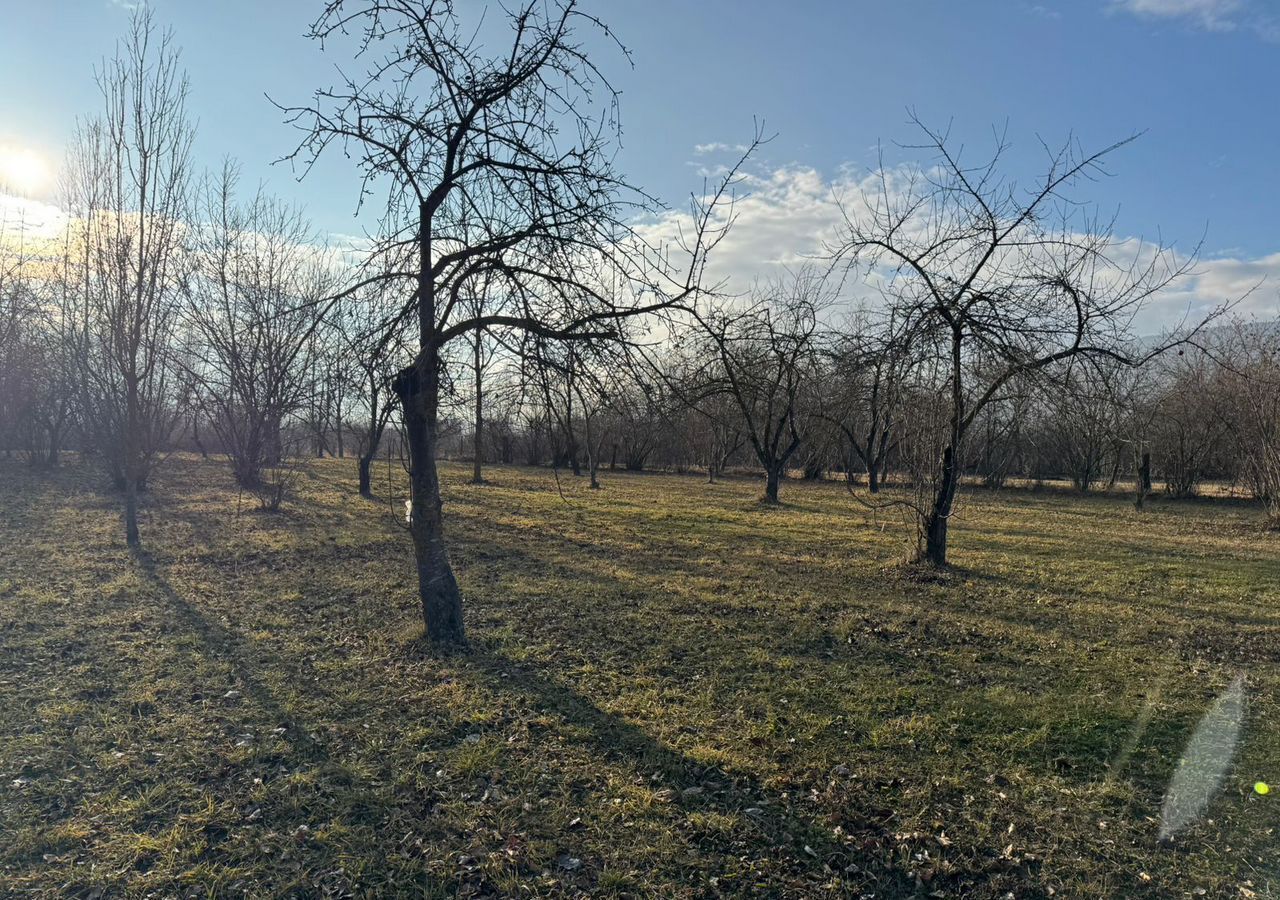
(437, 587)
(419, 390)
(935, 531)
(366, 476)
(772, 477)
(477, 476)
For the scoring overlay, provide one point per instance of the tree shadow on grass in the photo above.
(777, 837)
(224, 645)
(788, 843)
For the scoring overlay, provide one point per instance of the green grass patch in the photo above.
(671, 691)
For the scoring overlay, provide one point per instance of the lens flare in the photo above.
(1205, 761)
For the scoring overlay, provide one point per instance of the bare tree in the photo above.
(1133, 394)
(640, 410)
(1082, 417)
(23, 345)
(1188, 427)
(252, 309)
(1004, 281)
(377, 355)
(764, 359)
(1252, 381)
(868, 364)
(557, 374)
(128, 190)
(493, 161)
(713, 424)
(481, 356)
(1002, 444)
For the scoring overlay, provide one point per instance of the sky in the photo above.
(833, 81)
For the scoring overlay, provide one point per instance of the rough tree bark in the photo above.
(935, 525)
(477, 475)
(418, 388)
(772, 477)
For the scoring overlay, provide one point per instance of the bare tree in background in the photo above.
(606, 372)
(253, 304)
(712, 422)
(127, 191)
(481, 357)
(494, 160)
(1003, 441)
(764, 359)
(20, 343)
(1006, 281)
(554, 376)
(868, 364)
(575, 385)
(1252, 380)
(1082, 413)
(377, 355)
(1189, 428)
(1134, 395)
(640, 410)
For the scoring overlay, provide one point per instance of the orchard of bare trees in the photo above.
(415, 483)
(516, 306)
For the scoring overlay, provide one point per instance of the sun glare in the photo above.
(22, 171)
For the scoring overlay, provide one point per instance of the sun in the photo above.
(22, 171)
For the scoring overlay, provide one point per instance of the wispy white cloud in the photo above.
(718, 147)
(1046, 12)
(1210, 15)
(1214, 15)
(789, 216)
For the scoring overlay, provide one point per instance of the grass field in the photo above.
(671, 691)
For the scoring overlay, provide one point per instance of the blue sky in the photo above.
(830, 78)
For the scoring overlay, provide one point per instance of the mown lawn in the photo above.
(671, 691)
